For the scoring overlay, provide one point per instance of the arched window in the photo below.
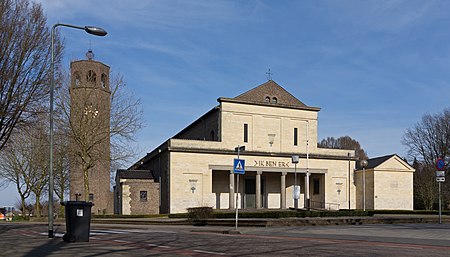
(103, 80)
(91, 76)
(267, 99)
(77, 79)
(274, 100)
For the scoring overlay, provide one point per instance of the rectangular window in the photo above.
(316, 186)
(295, 136)
(245, 133)
(91, 198)
(143, 196)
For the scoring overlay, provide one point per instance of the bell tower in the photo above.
(90, 109)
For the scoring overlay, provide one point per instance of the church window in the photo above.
(274, 100)
(295, 136)
(267, 99)
(103, 81)
(245, 133)
(143, 196)
(91, 76)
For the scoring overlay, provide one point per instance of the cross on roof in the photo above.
(269, 75)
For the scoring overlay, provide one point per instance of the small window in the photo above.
(91, 76)
(245, 133)
(295, 136)
(316, 186)
(143, 196)
(77, 79)
(267, 99)
(91, 198)
(103, 81)
(274, 100)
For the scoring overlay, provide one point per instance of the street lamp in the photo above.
(364, 164)
(295, 160)
(91, 30)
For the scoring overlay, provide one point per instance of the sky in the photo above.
(374, 67)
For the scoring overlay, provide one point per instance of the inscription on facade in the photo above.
(278, 164)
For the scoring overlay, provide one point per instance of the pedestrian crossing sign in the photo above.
(239, 166)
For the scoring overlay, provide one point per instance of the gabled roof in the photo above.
(270, 89)
(269, 93)
(375, 162)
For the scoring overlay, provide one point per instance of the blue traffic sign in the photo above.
(239, 166)
(440, 164)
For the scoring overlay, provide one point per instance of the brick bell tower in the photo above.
(90, 108)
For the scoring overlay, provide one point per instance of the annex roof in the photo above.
(134, 174)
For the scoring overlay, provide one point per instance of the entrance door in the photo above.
(250, 193)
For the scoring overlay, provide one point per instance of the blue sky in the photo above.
(374, 67)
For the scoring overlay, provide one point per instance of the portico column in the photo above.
(231, 196)
(258, 189)
(283, 190)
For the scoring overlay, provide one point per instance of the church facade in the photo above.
(196, 167)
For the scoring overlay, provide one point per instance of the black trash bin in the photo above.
(78, 221)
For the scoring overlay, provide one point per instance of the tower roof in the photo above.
(269, 93)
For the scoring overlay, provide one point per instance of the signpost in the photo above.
(440, 178)
(238, 168)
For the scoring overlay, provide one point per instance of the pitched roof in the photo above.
(270, 89)
(134, 174)
(269, 93)
(374, 162)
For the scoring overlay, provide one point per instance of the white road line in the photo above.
(122, 241)
(208, 252)
(163, 246)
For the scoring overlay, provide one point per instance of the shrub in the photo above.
(199, 215)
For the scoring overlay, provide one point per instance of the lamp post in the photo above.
(295, 160)
(91, 30)
(364, 164)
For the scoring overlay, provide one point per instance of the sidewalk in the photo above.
(310, 221)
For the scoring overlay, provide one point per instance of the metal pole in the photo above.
(440, 204)
(349, 181)
(50, 172)
(237, 193)
(308, 206)
(364, 189)
(295, 187)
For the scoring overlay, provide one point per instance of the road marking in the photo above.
(122, 241)
(208, 252)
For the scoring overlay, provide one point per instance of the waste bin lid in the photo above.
(78, 203)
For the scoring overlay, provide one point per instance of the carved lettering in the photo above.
(259, 163)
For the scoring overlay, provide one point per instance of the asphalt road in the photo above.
(25, 239)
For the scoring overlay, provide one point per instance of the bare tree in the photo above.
(426, 141)
(25, 61)
(26, 158)
(86, 123)
(344, 142)
(15, 166)
(61, 166)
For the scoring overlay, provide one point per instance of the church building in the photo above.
(271, 127)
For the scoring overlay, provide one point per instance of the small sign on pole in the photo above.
(239, 166)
